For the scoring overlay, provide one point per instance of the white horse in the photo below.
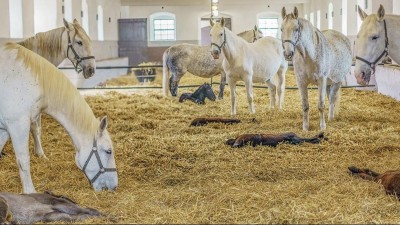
(70, 41)
(378, 32)
(249, 62)
(30, 85)
(182, 58)
(318, 57)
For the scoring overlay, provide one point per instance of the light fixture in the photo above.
(214, 1)
(214, 13)
(214, 8)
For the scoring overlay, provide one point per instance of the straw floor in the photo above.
(172, 173)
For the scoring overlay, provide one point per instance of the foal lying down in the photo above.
(389, 179)
(41, 207)
(272, 139)
(204, 121)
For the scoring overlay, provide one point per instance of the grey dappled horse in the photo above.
(322, 58)
(182, 58)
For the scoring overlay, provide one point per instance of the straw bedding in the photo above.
(172, 173)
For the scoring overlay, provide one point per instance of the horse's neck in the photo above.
(79, 136)
(393, 24)
(44, 44)
(198, 91)
(232, 46)
(310, 40)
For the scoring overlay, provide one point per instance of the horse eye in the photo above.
(108, 151)
(79, 42)
(221, 34)
(375, 37)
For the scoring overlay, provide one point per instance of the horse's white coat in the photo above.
(53, 45)
(371, 41)
(182, 58)
(322, 58)
(250, 62)
(32, 85)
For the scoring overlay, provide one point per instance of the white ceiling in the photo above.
(204, 2)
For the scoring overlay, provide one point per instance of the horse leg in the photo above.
(334, 100)
(304, 101)
(36, 130)
(19, 132)
(222, 85)
(281, 85)
(232, 86)
(272, 93)
(249, 89)
(321, 102)
(174, 83)
(4, 136)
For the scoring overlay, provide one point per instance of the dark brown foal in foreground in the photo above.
(272, 139)
(204, 121)
(41, 207)
(389, 179)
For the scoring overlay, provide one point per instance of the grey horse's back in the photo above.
(191, 58)
(341, 54)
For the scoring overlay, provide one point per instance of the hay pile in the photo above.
(172, 173)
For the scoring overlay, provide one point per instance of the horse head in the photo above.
(209, 93)
(291, 32)
(218, 37)
(96, 160)
(372, 44)
(257, 33)
(79, 49)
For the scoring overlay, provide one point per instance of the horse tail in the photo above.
(165, 80)
(363, 173)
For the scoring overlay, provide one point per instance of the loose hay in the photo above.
(172, 173)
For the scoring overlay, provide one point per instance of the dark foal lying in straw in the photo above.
(41, 207)
(204, 121)
(203, 92)
(272, 139)
(389, 179)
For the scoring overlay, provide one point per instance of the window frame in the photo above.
(266, 28)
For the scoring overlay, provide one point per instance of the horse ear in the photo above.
(211, 22)
(76, 21)
(296, 13)
(255, 28)
(222, 22)
(381, 13)
(361, 13)
(103, 124)
(283, 13)
(67, 25)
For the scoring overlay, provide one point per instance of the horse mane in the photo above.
(49, 44)
(58, 93)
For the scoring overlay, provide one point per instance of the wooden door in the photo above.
(132, 40)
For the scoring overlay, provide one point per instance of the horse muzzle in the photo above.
(363, 78)
(289, 56)
(215, 54)
(88, 72)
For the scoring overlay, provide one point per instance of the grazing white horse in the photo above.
(70, 41)
(30, 85)
(182, 58)
(377, 34)
(250, 62)
(322, 58)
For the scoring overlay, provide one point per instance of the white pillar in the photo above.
(5, 19)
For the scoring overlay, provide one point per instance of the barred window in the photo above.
(164, 29)
(269, 26)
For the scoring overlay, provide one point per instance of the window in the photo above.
(312, 18)
(319, 19)
(269, 26)
(100, 23)
(85, 16)
(330, 16)
(306, 16)
(164, 29)
(16, 26)
(344, 17)
(162, 26)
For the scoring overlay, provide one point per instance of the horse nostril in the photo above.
(363, 75)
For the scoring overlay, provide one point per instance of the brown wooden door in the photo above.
(132, 40)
